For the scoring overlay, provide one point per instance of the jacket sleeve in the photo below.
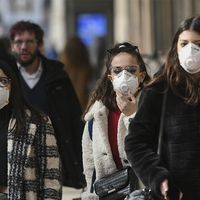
(127, 119)
(52, 171)
(141, 141)
(65, 112)
(88, 162)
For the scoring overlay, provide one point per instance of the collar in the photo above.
(34, 75)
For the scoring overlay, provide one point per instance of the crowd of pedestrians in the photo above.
(54, 135)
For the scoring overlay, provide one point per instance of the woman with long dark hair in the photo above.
(176, 173)
(112, 104)
(30, 163)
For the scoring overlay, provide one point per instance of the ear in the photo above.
(142, 76)
(110, 77)
(41, 48)
(12, 46)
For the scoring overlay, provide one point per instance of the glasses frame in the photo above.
(120, 68)
(123, 48)
(6, 84)
(19, 43)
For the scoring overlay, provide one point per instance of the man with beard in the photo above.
(47, 87)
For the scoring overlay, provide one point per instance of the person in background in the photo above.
(176, 174)
(112, 104)
(77, 64)
(30, 162)
(5, 47)
(47, 87)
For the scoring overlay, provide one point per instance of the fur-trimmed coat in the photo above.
(97, 152)
(34, 169)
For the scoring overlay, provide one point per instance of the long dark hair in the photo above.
(17, 103)
(76, 53)
(104, 89)
(182, 83)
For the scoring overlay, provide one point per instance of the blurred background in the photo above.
(150, 24)
(92, 26)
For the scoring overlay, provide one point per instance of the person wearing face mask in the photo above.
(30, 162)
(111, 105)
(175, 174)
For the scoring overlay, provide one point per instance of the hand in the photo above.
(164, 189)
(126, 103)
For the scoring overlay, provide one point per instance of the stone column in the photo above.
(142, 25)
(57, 24)
(121, 21)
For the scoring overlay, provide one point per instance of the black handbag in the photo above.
(145, 194)
(116, 186)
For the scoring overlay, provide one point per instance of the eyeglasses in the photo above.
(133, 69)
(4, 81)
(28, 43)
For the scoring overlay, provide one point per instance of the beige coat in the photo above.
(97, 152)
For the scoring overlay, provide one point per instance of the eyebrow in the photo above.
(134, 66)
(190, 41)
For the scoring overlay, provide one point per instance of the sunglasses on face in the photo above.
(132, 69)
(123, 48)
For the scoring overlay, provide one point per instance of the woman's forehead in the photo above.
(124, 58)
(189, 35)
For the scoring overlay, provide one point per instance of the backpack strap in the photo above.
(90, 128)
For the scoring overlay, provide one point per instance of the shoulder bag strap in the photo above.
(160, 136)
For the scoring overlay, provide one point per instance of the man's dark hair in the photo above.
(31, 27)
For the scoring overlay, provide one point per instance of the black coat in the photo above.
(65, 113)
(180, 160)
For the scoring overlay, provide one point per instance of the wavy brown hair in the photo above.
(29, 26)
(183, 84)
(104, 89)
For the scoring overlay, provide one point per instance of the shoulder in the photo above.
(150, 102)
(55, 72)
(54, 67)
(153, 92)
(97, 108)
(156, 88)
(48, 61)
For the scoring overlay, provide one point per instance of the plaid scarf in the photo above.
(29, 154)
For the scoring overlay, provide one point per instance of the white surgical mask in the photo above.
(189, 58)
(4, 97)
(124, 82)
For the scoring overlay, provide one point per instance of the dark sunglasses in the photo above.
(123, 48)
(133, 69)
